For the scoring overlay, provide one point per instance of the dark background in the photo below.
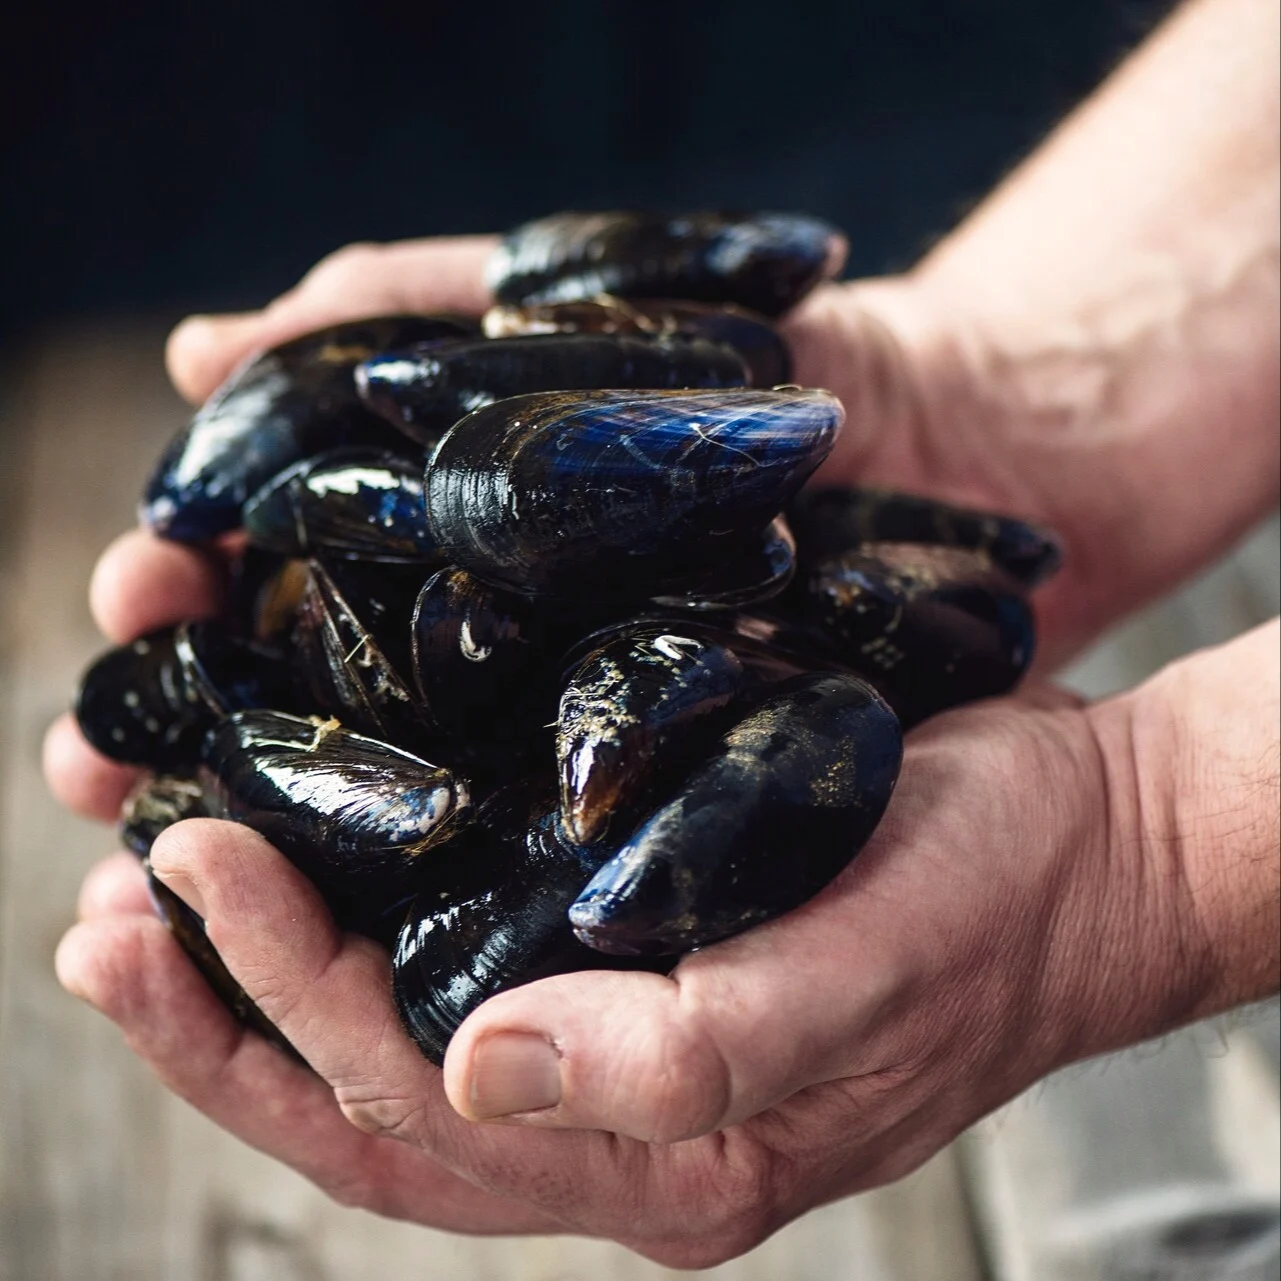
(166, 156)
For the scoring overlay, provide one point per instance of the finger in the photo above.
(330, 996)
(117, 886)
(272, 930)
(415, 276)
(130, 968)
(142, 582)
(80, 777)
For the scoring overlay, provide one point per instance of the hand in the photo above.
(831, 1050)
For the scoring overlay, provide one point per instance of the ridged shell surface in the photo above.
(785, 800)
(281, 406)
(568, 493)
(764, 261)
(427, 389)
(931, 627)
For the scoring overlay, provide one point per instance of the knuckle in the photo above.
(379, 1115)
(689, 1093)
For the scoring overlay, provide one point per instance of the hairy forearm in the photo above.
(1192, 761)
(1114, 305)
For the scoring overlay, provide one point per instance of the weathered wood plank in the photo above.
(1158, 1164)
(103, 1176)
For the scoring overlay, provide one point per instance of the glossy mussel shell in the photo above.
(931, 627)
(427, 389)
(346, 503)
(151, 702)
(279, 407)
(352, 635)
(785, 799)
(357, 816)
(616, 492)
(641, 706)
(828, 521)
(493, 917)
(752, 336)
(765, 261)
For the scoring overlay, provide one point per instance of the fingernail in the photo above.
(514, 1072)
(183, 887)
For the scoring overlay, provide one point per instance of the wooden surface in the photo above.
(104, 1176)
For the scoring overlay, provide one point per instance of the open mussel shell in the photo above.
(426, 390)
(828, 521)
(355, 815)
(765, 261)
(346, 503)
(353, 645)
(188, 929)
(155, 803)
(785, 800)
(150, 702)
(620, 493)
(493, 918)
(281, 406)
(930, 627)
(752, 336)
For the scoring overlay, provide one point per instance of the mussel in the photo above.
(358, 816)
(427, 389)
(497, 919)
(932, 627)
(353, 504)
(151, 702)
(786, 798)
(752, 336)
(274, 410)
(829, 521)
(620, 493)
(766, 262)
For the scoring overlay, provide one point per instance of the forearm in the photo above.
(1115, 307)
(1192, 764)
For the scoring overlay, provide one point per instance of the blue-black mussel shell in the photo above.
(281, 406)
(784, 801)
(351, 504)
(361, 819)
(753, 337)
(765, 261)
(620, 493)
(151, 702)
(425, 390)
(493, 917)
(931, 627)
(828, 521)
(642, 705)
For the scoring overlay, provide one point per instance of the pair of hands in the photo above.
(994, 928)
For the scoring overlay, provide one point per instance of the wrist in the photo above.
(1191, 766)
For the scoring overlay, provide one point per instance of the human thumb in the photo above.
(735, 1029)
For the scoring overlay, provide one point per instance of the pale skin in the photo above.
(1096, 347)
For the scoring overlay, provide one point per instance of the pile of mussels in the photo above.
(537, 656)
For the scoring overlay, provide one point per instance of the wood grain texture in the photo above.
(1158, 1164)
(104, 1176)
